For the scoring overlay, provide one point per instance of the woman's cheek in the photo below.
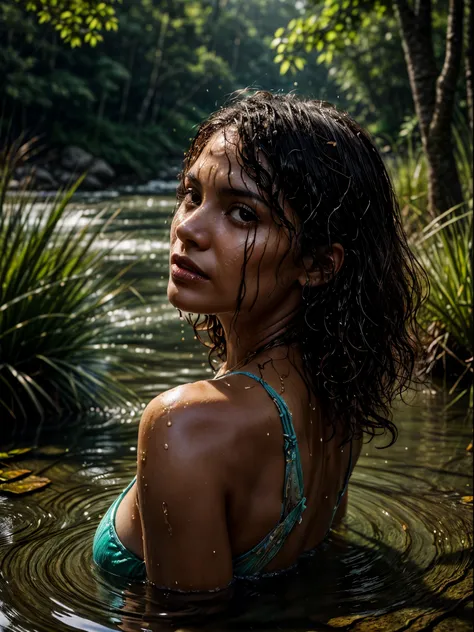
(173, 231)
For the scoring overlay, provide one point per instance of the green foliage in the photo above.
(57, 341)
(444, 247)
(126, 146)
(409, 171)
(77, 21)
(136, 98)
(327, 27)
(359, 44)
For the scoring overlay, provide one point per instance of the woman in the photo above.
(287, 248)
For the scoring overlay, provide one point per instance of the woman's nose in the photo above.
(192, 229)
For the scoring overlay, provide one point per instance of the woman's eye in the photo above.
(192, 196)
(243, 215)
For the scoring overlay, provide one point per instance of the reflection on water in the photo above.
(400, 561)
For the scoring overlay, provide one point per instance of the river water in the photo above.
(402, 559)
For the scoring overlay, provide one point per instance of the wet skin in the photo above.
(210, 453)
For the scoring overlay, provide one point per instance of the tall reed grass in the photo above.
(58, 347)
(444, 248)
(443, 245)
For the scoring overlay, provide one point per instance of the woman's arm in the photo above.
(182, 492)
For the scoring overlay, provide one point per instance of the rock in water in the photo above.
(37, 177)
(76, 159)
(90, 182)
(102, 170)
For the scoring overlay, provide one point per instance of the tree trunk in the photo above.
(155, 72)
(100, 112)
(54, 52)
(156, 108)
(434, 95)
(235, 53)
(128, 83)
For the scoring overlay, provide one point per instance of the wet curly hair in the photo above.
(358, 332)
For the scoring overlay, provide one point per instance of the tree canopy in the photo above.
(77, 21)
(135, 97)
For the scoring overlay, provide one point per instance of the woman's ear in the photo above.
(321, 267)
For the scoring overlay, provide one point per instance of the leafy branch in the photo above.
(77, 21)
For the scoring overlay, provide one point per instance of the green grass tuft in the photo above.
(57, 342)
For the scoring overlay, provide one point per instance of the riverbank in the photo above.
(60, 168)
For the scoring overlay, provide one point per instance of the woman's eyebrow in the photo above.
(245, 193)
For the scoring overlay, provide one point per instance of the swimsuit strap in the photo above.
(344, 487)
(294, 502)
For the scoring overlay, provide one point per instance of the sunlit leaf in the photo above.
(299, 63)
(25, 486)
(11, 454)
(11, 475)
(51, 450)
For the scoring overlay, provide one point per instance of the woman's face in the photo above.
(221, 212)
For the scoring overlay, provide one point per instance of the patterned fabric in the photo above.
(111, 555)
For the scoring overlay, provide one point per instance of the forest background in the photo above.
(129, 80)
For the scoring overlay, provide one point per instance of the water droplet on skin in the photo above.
(164, 506)
(169, 423)
(213, 551)
(268, 434)
(166, 446)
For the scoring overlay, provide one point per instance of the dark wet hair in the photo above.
(358, 332)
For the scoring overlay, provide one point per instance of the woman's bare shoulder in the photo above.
(206, 410)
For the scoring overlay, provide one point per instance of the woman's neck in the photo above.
(244, 344)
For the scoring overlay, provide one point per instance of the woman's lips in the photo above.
(184, 274)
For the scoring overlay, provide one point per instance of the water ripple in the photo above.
(400, 561)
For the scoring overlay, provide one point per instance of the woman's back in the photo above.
(246, 424)
(259, 461)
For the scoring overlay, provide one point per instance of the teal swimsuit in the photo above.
(111, 555)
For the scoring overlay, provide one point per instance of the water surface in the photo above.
(400, 561)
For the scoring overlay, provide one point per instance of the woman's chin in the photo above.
(186, 299)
